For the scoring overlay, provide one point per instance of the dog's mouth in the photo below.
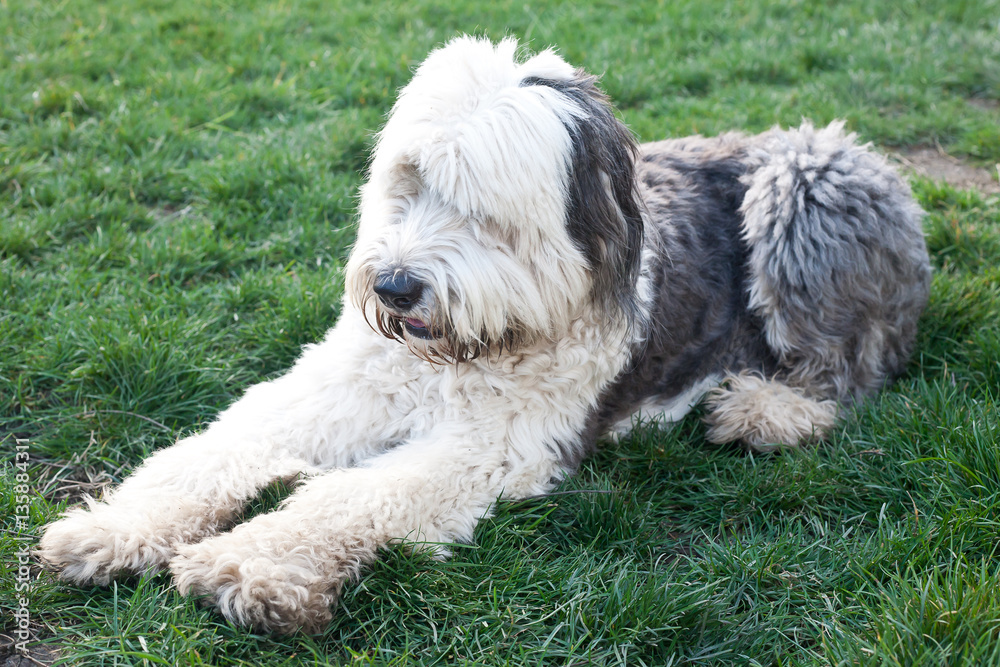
(430, 340)
(417, 328)
(435, 344)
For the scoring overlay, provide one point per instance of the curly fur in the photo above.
(560, 281)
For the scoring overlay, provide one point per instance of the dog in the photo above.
(526, 279)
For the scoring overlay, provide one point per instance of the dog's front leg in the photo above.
(282, 571)
(323, 413)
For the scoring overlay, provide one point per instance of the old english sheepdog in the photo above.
(526, 279)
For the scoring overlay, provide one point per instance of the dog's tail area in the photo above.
(838, 268)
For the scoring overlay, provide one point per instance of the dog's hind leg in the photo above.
(765, 414)
(319, 415)
(838, 268)
(838, 275)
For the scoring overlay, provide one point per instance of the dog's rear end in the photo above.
(788, 275)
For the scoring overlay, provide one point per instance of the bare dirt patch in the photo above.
(984, 103)
(933, 163)
(38, 654)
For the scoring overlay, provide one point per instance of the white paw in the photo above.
(252, 585)
(766, 414)
(95, 545)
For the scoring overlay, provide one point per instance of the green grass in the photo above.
(177, 194)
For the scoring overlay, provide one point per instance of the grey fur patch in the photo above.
(839, 265)
(603, 212)
(794, 254)
(699, 321)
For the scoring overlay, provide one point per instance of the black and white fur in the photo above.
(525, 279)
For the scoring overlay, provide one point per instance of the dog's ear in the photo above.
(603, 208)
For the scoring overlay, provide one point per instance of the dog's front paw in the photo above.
(95, 545)
(253, 586)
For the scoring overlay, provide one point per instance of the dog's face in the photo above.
(501, 204)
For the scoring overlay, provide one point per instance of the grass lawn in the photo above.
(177, 194)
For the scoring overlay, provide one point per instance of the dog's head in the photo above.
(501, 204)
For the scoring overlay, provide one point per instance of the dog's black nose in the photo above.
(398, 289)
